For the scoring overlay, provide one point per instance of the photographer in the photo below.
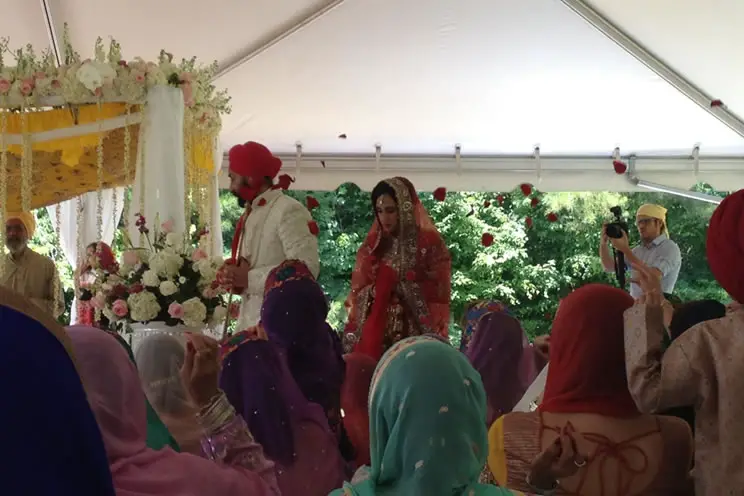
(656, 251)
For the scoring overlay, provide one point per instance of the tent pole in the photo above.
(262, 46)
(660, 188)
(51, 31)
(653, 62)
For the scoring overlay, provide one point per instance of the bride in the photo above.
(400, 286)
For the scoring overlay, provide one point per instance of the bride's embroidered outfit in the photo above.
(400, 286)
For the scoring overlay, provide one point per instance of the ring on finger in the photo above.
(579, 464)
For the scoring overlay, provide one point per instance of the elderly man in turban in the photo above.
(703, 367)
(656, 251)
(273, 228)
(27, 272)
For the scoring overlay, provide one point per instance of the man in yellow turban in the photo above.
(656, 251)
(27, 272)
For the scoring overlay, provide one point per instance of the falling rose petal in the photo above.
(487, 239)
(285, 181)
(620, 166)
(500, 199)
(528, 222)
(262, 202)
(472, 212)
(548, 316)
(716, 103)
(552, 217)
(486, 204)
(534, 202)
(440, 194)
(526, 189)
(411, 275)
(311, 202)
(313, 226)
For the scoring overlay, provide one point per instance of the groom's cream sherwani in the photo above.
(276, 230)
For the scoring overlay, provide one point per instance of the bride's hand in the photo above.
(201, 368)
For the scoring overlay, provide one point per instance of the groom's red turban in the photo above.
(725, 245)
(254, 160)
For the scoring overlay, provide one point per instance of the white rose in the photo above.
(194, 312)
(143, 306)
(150, 279)
(107, 72)
(174, 240)
(168, 288)
(89, 76)
(166, 264)
(219, 314)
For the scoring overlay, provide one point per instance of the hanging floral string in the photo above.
(142, 185)
(188, 176)
(127, 168)
(3, 185)
(57, 234)
(99, 177)
(27, 161)
(79, 241)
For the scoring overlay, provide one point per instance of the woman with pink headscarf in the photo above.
(235, 464)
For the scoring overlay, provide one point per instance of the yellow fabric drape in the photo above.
(48, 120)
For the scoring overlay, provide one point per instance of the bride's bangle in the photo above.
(216, 413)
(545, 492)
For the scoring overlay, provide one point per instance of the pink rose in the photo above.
(139, 77)
(27, 86)
(120, 308)
(175, 310)
(199, 254)
(4, 86)
(167, 226)
(188, 94)
(234, 310)
(130, 258)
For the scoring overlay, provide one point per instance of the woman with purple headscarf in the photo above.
(501, 353)
(294, 317)
(294, 432)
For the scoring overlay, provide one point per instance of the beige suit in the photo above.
(34, 276)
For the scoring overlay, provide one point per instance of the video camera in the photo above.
(619, 226)
(615, 230)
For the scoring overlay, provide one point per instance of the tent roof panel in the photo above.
(23, 22)
(492, 75)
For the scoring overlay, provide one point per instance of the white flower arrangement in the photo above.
(36, 81)
(170, 282)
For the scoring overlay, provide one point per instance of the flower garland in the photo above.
(127, 169)
(27, 163)
(3, 186)
(99, 177)
(108, 78)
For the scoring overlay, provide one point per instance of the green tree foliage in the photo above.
(530, 269)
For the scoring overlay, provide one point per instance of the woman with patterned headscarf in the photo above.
(400, 286)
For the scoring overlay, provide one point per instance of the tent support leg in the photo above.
(660, 188)
(653, 62)
(51, 31)
(263, 45)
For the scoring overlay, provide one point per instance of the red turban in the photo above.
(254, 160)
(725, 246)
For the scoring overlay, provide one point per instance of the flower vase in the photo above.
(140, 331)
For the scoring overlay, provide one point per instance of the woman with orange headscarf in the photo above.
(586, 393)
(401, 283)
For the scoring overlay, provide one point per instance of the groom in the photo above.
(273, 228)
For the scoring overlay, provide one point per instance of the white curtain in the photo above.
(160, 162)
(215, 222)
(68, 224)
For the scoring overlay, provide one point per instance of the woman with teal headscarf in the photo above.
(427, 427)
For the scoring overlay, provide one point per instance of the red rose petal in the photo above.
(486, 204)
(716, 103)
(440, 194)
(313, 226)
(411, 275)
(285, 181)
(500, 199)
(526, 189)
(528, 222)
(487, 239)
(620, 167)
(262, 202)
(311, 202)
(534, 202)
(552, 217)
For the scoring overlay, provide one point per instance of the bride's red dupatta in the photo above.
(423, 282)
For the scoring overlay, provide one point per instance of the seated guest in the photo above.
(702, 366)
(236, 464)
(159, 359)
(293, 316)
(45, 409)
(293, 431)
(630, 454)
(25, 271)
(355, 403)
(427, 406)
(501, 354)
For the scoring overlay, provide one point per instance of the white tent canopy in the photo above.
(408, 83)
